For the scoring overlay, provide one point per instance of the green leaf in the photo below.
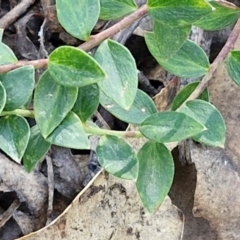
(218, 19)
(233, 66)
(117, 157)
(19, 85)
(70, 133)
(186, 92)
(189, 61)
(52, 102)
(142, 107)
(166, 39)
(179, 12)
(36, 150)
(78, 17)
(6, 55)
(72, 67)
(87, 102)
(170, 127)
(113, 9)
(122, 77)
(210, 117)
(3, 97)
(14, 136)
(155, 174)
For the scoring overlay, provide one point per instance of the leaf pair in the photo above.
(173, 20)
(16, 88)
(197, 119)
(152, 168)
(52, 104)
(204, 112)
(69, 84)
(113, 63)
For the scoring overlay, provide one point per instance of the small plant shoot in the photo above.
(101, 71)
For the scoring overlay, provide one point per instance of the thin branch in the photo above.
(9, 212)
(15, 13)
(109, 32)
(93, 41)
(40, 63)
(229, 45)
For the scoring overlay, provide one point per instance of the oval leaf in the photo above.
(186, 92)
(233, 66)
(142, 107)
(52, 102)
(72, 67)
(3, 97)
(122, 77)
(113, 9)
(210, 117)
(78, 17)
(155, 174)
(184, 63)
(87, 102)
(69, 133)
(14, 136)
(6, 55)
(178, 12)
(117, 157)
(19, 85)
(36, 150)
(170, 127)
(220, 18)
(166, 39)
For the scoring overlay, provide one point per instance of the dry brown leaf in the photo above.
(110, 208)
(163, 100)
(182, 195)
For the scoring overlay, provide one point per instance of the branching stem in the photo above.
(93, 41)
(87, 128)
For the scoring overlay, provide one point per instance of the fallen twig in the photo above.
(15, 13)
(50, 188)
(9, 212)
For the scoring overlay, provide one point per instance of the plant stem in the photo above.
(21, 112)
(229, 45)
(94, 40)
(101, 132)
(87, 128)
